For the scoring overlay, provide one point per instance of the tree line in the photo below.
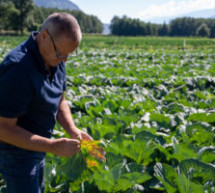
(24, 15)
(185, 26)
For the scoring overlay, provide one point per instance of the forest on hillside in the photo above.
(23, 15)
(19, 16)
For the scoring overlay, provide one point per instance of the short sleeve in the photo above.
(64, 83)
(62, 68)
(15, 91)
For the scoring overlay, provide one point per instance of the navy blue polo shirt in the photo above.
(26, 90)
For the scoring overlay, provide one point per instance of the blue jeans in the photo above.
(22, 170)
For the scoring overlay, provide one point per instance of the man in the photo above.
(32, 85)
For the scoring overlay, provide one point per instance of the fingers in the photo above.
(76, 136)
(66, 147)
(80, 135)
(72, 147)
(85, 136)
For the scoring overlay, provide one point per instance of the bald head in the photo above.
(63, 25)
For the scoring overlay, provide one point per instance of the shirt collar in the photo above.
(32, 45)
(34, 49)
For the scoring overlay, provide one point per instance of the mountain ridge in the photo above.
(205, 13)
(60, 4)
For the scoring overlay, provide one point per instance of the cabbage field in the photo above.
(151, 103)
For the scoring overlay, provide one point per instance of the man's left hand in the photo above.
(78, 134)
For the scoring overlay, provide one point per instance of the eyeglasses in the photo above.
(56, 51)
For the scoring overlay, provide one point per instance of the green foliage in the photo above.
(186, 186)
(178, 27)
(128, 27)
(167, 175)
(163, 30)
(8, 15)
(203, 30)
(151, 101)
(20, 15)
(25, 7)
(191, 177)
(187, 26)
(15, 14)
(88, 23)
(197, 171)
(204, 117)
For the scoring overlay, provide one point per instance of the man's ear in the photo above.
(44, 34)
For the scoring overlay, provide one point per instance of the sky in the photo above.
(144, 10)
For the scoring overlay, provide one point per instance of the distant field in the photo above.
(151, 100)
(96, 41)
(147, 42)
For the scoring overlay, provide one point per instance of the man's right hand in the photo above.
(65, 147)
(15, 135)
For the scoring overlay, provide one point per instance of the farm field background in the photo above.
(152, 103)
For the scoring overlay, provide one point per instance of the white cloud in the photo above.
(173, 8)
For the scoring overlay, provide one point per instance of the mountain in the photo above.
(206, 13)
(65, 4)
(60, 4)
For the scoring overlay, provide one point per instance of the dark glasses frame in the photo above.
(56, 51)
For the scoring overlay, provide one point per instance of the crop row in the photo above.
(155, 115)
(153, 109)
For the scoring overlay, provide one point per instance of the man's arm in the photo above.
(65, 119)
(17, 136)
